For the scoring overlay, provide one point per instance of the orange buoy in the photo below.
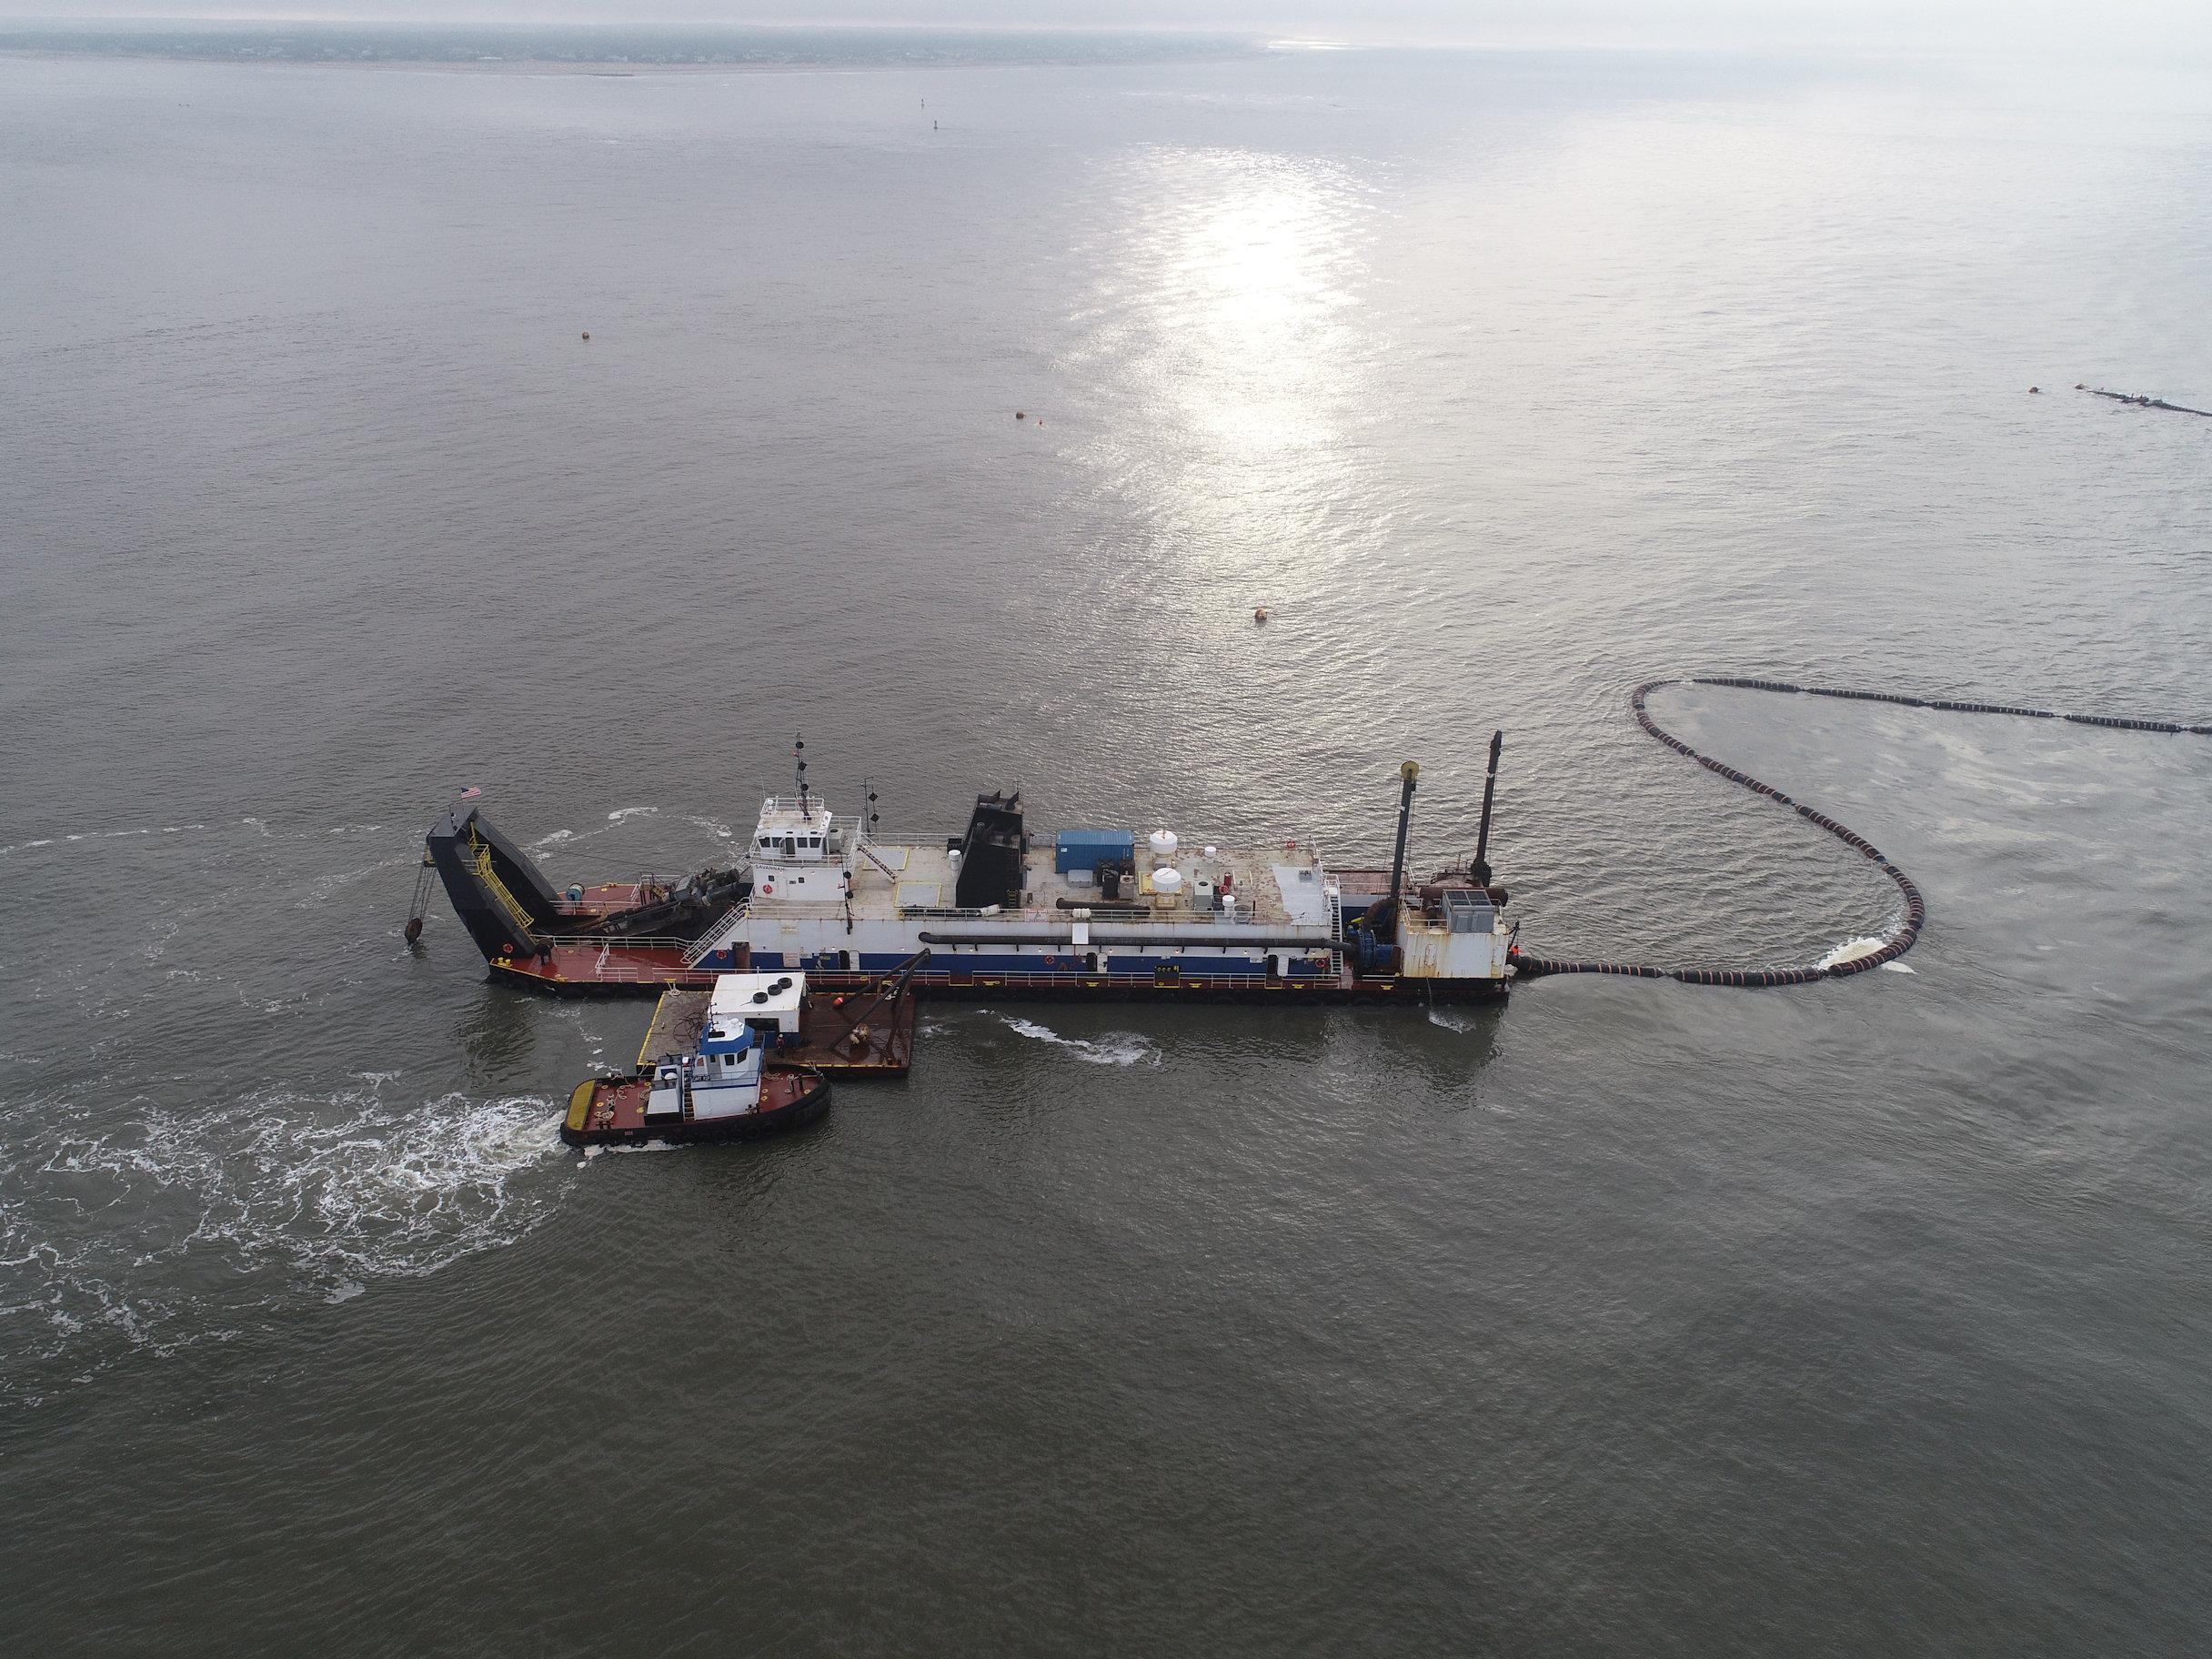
(587, 334)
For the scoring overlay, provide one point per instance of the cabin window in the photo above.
(764, 840)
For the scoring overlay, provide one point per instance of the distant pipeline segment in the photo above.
(2142, 403)
(1900, 939)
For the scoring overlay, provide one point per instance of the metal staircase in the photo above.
(486, 874)
(715, 937)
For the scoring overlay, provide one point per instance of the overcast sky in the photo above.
(2133, 26)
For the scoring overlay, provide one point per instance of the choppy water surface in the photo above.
(1638, 1318)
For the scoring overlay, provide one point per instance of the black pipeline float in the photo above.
(2142, 403)
(1899, 938)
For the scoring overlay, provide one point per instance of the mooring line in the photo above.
(1898, 940)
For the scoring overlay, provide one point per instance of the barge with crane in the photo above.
(998, 910)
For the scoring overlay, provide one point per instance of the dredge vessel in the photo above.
(1089, 913)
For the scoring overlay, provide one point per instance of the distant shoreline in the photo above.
(610, 50)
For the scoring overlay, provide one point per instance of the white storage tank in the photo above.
(1163, 843)
(1167, 881)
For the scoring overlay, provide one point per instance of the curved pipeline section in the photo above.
(1899, 938)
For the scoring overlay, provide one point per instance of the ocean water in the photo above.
(1636, 1318)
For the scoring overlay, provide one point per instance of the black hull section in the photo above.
(1357, 993)
(511, 911)
(497, 889)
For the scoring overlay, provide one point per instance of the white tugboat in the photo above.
(731, 1087)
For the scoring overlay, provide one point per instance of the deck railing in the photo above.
(485, 873)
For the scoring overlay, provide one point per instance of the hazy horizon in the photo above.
(2156, 25)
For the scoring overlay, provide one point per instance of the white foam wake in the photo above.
(1850, 950)
(159, 1225)
(1111, 1048)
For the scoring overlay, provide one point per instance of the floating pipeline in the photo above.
(1898, 940)
(2145, 403)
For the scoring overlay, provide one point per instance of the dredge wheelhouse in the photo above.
(1087, 913)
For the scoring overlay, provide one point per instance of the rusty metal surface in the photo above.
(882, 1045)
(678, 1018)
(826, 1029)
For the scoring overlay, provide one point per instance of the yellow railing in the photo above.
(498, 888)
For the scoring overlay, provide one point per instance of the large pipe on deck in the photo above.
(1409, 771)
(1209, 938)
(1489, 791)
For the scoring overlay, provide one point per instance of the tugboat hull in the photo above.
(611, 1111)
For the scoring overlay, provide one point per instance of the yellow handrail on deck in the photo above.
(498, 888)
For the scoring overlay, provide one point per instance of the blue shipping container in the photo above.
(1083, 848)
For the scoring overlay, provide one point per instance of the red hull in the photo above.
(611, 1111)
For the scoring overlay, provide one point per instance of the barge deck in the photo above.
(841, 1037)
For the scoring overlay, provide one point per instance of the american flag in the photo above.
(471, 792)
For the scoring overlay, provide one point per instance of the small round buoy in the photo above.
(1260, 615)
(587, 334)
(1020, 414)
(414, 928)
(2033, 391)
